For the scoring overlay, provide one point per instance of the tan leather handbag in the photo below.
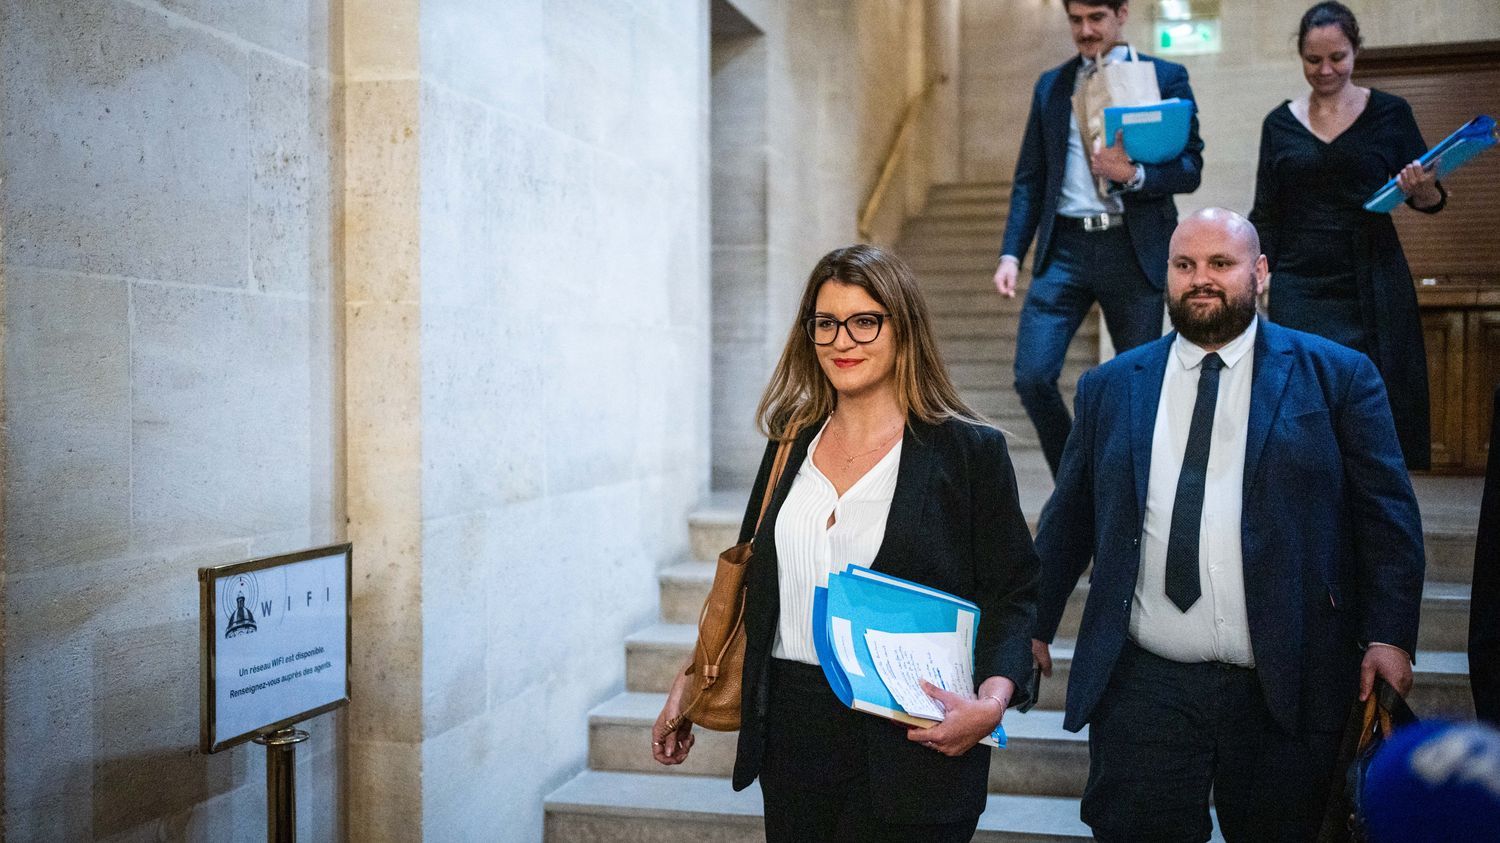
(719, 655)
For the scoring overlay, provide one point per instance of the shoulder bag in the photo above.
(719, 654)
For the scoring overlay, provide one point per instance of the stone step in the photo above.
(599, 806)
(966, 220)
(1041, 758)
(999, 376)
(952, 241)
(1445, 617)
(1000, 349)
(984, 218)
(929, 262)
(970, 191)
(655, 654)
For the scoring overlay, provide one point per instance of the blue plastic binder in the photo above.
(1453, 152)
(1154, 134)
(858, 600)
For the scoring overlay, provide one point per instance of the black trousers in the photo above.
(814, 776)
(1167, 734)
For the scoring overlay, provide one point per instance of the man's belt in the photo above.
(1097, 222)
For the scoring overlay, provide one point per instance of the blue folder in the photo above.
(1453, 152)
(1154, 134)
(865, 600)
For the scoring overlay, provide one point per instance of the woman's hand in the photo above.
(1420, 184)
(672, 747)
(965, 722)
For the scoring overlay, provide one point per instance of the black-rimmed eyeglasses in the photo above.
(862, 327)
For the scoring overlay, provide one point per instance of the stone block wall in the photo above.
(804, 108)
(433, 276)
(169, 392)
(564, 366)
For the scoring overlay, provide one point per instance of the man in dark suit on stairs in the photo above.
(1258, 559)
(1101, 221)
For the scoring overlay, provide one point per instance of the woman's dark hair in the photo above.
(1330, 13)
(1114, 5)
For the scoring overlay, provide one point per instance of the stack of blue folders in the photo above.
(1154, 134)
(1453, 152)
(859, 601)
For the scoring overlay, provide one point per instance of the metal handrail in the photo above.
(895, 154)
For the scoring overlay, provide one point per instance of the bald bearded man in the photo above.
(1257, 554)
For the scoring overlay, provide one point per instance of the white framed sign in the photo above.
(275, 642)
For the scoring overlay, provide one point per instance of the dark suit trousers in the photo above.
(1084, 267)
(1165, 734)
(815, 777)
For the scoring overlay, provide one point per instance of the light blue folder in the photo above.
(1154, 134)
(866, 600)
(1453, 152)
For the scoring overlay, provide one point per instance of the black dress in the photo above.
(1338, 270)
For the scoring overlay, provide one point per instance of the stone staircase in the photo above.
(953, 247)
(1035, 783)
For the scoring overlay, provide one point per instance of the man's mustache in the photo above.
(1200, 291)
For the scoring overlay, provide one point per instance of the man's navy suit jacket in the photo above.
(1330, 534)
(1150, 213)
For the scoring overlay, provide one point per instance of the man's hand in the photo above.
(1112, 163)
(1389, 663)
(1005, 276)
(965, 722)
(1042, 654)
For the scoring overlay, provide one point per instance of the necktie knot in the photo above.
(1213, 362)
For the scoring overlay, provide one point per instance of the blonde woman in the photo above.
(889, 470)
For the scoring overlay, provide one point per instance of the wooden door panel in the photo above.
(1443, 334)
(1482, 372)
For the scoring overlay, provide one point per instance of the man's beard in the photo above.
(1217, 326)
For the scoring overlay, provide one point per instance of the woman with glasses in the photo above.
(889, 470)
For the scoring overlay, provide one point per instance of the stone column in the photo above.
(383, 424)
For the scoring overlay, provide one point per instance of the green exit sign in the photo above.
(1187, 37)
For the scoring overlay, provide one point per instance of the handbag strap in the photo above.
(783, 453)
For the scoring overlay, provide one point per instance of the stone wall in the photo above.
(170, 391)
(564, 366)
(1007, 43)
(433, 276)
(804, 108)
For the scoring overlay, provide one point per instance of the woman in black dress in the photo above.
(1337, 269)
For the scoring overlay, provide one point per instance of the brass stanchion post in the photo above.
(281, 783)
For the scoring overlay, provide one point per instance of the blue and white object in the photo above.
(1155, 133)
(1453, 152)
(876, 635)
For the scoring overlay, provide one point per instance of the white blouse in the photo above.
(807, 549)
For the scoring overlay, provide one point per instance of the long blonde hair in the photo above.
(800, 394)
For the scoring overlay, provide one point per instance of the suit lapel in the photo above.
(1145, 395)
(910, 496)
(1273, 365)
(1060, 108)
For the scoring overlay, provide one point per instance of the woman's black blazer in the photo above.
(955, 523)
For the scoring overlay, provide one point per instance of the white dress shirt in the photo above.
(1217, 627)
(1080, 198)
(807, 549)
